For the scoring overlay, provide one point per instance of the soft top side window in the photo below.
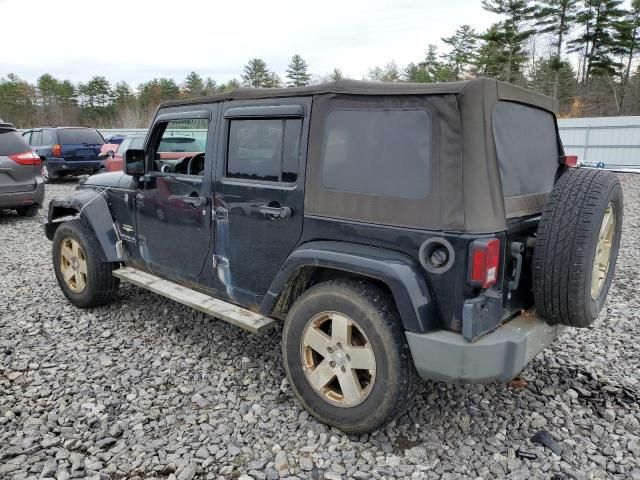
(265, 149)
(384, 152)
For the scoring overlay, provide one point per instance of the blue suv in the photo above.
(66, 150)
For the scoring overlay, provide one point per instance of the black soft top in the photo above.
(502, 90)
(466, 191)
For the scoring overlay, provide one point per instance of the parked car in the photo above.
(66, 150)
(21, 186)
(398, 230)
(112, 161)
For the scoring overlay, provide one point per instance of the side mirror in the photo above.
(110, 153)
(134, 162)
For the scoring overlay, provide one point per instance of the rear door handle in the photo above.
(275, 212)
(194, 201)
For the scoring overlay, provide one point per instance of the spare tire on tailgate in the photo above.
(577, 246)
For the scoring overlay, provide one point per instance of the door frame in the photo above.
(210, 112)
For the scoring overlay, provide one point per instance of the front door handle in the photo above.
(194, 201)
(275, 212)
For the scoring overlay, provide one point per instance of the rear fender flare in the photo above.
(92, 208)
(399, 272)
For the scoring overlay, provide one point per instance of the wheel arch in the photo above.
(91, 207)
(314, 262)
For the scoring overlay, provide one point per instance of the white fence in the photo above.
(612, 141)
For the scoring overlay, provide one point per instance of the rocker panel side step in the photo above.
(254, 322)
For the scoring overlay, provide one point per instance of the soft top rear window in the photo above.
(527, 148)
(11, 142)
(70, 136)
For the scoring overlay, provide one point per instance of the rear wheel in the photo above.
(47, 175)
(577, 246)
(84, 278)
(346, 356)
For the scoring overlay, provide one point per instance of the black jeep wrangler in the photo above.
(397, 230)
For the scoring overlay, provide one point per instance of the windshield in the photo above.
(80, 135)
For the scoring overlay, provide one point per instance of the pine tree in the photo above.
(626, 46)
(193, 85)
(297, 72)
(556, 17)
(595, 41)
(336, 75)
(256, 74)
(463, 45)
(513, 33)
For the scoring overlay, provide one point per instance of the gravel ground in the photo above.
(147, 388)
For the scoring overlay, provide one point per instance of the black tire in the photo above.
(375, 313)
(566, 246)
(47, 175)
(101, 285)
(28, 211)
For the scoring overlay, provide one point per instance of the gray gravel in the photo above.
(148, 388)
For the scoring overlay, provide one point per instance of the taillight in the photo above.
(26, 158)
(570, 160)
(57, 150)
(484, 262)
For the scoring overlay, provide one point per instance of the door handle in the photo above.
(194, 201)
(275, 212)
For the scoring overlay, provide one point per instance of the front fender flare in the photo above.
(92, 208)
(398, 271)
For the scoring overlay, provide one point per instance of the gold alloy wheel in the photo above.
(338, 359)
(602, 258)
(73, 265)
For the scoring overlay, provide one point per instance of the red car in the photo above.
(171, 148)
(113, 153)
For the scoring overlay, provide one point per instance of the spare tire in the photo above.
(577, 246)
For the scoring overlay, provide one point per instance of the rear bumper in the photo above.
(60, 165)
(498, 356)
(24, 199)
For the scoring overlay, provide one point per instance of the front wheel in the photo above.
(347, 357)
(83, 277)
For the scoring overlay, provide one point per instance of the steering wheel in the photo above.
(196, 164)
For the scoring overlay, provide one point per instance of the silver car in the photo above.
(21, 184)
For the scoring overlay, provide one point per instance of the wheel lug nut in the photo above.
(344, 369)
(348, 358)
(333, 364)
(329, 349)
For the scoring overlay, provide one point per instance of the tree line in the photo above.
(581, 52)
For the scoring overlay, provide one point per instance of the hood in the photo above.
(109, 179)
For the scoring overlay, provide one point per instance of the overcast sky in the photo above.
(136, 40)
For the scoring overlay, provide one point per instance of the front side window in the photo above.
(378, 152)
(265, 150)
(180, 147)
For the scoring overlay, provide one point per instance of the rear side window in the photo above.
(378, 152)
(527, 148)
(264, 150)
(70, 136)
(137, 143)
(36, 138)
(48, 137)
(11, 142)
